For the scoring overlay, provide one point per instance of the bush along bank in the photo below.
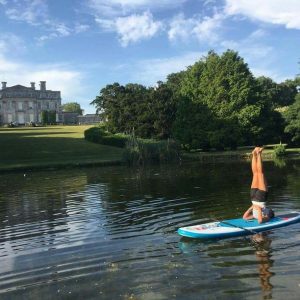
(144, 151)
(100, 136)
(137, 151)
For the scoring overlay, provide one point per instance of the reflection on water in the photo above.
(263, 252)
(110, 233)
(279, 162)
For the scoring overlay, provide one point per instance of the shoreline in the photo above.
(60, 166)
(203, 157)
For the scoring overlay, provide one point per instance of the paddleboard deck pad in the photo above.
(237, 227)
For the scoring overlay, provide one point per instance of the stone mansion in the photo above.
(23, 105)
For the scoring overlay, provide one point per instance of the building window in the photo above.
(30, 105)
(9, 118)
(20, 105)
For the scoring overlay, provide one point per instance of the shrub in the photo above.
(116, 140)
(279, 150)
(100, 136)
(143, 151)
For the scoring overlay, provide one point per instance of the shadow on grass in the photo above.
(29, 128)
(30, 149)
(18, 135)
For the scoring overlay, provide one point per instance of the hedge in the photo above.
(100, 136)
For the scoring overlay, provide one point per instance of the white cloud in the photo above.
(259, 33)
(261, 58)
(81, 28)
(205, 29)
(11, 44)
(30, 11)
(281, 12)
(36, 13)
(130, 21)
(133, 28)
(181, 28)
(7, 66)
(56, 30)
(113, 8)
(106, 24)
(58, 76)
(136, 27)
(150, 71)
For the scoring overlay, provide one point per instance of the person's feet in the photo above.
(259, 150)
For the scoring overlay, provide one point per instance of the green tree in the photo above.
(126, 108)
(162, 109)
(192, 124)
(225, 85)
(108, 104)
(51, 117)
(292, 118)
(44, 117)
(274, 94)
(72, 107)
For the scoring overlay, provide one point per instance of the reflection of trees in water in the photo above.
(293, 179)
(34, 207)
(262, 243)
(196, 187)
(280, 178)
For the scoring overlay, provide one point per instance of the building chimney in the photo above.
(32, 85)
(43, 85)
(3, 85)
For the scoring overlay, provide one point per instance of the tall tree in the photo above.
(225, 85)
(72, 107)
(292, 118)
(274, 94)
(163, 109)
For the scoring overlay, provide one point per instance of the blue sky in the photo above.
(80, 46)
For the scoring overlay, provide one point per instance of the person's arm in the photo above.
(248, 213)
(259, 215)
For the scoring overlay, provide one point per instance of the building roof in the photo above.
(89, 115)
(17, 88)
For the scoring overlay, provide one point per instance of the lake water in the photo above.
(110, 233)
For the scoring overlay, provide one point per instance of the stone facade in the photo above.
(69, 118)
(20, 104)
(88, 119)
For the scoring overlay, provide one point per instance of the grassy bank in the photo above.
(62, 146)
(243, 153)
(51, 146)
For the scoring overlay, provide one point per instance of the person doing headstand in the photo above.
(259, 191)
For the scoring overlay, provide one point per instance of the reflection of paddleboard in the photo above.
(237, 227)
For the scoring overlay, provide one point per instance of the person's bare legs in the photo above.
(254, 185)
(262, 183)
(254, 168)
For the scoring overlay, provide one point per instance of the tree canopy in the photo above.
(72, 107)
(214, 103)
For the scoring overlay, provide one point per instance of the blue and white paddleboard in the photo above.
(237, 227)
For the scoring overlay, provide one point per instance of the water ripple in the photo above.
(111, 234)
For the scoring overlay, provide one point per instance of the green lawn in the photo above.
(26, 147)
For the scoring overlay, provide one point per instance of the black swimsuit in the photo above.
(258, 195)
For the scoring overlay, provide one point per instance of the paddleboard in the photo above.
(237, 227)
